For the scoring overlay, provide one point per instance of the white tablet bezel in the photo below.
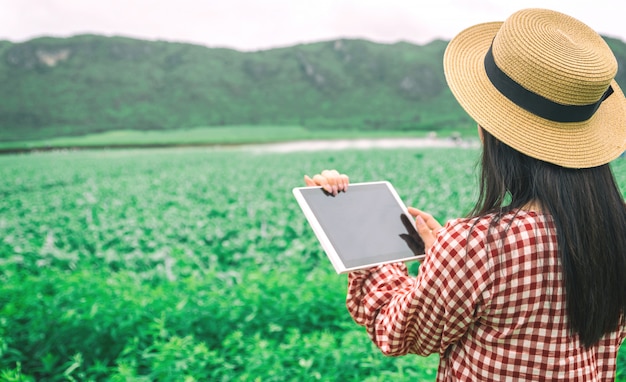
(324, 240)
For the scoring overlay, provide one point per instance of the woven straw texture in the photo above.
(555, 56)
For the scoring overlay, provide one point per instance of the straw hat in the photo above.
(543, 83)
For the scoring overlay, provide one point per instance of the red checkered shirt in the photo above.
(494, 309)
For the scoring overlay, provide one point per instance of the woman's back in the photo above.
(521, 327)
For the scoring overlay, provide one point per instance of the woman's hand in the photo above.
(426, 225)
(330, 180)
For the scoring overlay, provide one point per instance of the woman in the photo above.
(532, 285)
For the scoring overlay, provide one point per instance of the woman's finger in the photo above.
(317, 180)
(308, 181)
(427, 226)
(425, 232)
(334, 179)
(345, 180)
(323, 181)
(330, 180)
(341, 180)
(430, 221)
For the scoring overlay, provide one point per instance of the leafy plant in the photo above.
(194, 264)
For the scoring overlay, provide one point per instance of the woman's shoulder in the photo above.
(481, 226)
(504, 218)
(472, 238)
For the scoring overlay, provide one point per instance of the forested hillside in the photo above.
(85, 84)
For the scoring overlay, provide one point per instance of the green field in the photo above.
(194, 264)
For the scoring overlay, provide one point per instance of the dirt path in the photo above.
(279, 147)
(342, 144)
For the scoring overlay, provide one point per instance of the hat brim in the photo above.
(590, 143)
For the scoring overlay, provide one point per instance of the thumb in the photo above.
(308, 181)
(425, 232)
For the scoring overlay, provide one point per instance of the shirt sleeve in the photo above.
(427, 313)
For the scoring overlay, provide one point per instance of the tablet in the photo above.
(365, 226)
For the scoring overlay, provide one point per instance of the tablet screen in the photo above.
(365, 226)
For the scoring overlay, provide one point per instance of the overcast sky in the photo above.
(264, 24)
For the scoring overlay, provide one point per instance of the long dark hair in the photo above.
(588, 211)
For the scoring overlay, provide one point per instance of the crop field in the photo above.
(195, 264)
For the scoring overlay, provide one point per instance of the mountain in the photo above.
(85, 84)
